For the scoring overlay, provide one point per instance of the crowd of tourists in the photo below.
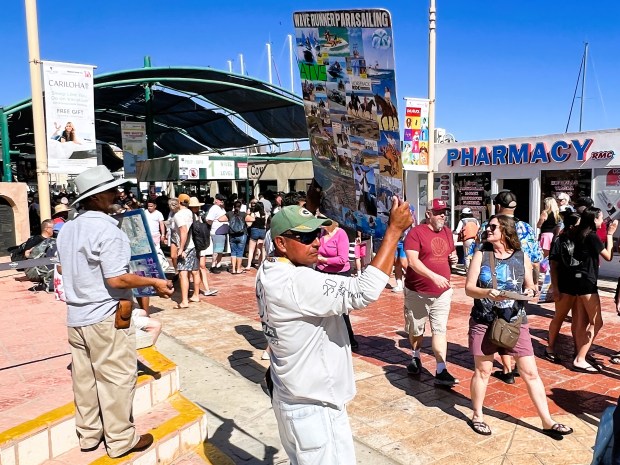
(306, 288)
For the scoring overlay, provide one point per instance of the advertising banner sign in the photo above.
(69, 117)
(346, 64)
(133, 134)
(416, 137)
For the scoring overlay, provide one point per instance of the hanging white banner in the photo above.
(69, 117)
(133, 135)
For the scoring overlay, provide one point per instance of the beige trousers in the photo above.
(104, 372)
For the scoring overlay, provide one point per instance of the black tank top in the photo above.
(549, 224)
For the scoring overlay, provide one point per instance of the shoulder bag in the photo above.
(502, 333)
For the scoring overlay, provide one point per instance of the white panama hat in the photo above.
(95, 180)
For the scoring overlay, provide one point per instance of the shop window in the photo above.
(268, 186)
(225, 188)
(576, 183)
(473, 190)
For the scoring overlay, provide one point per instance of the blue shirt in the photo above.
(92, 248)
(527, 237)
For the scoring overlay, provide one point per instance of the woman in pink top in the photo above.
(334, 250)
(334, 259)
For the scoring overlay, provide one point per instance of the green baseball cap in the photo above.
(295, 218)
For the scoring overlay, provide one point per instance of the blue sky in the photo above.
(504, 69)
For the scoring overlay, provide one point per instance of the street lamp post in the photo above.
(38, 115)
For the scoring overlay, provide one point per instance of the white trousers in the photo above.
(315, 434)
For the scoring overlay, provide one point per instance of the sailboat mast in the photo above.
(583, 83)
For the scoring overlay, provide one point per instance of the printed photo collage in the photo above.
(350, 102)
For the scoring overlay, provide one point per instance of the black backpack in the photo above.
(201, 233)
(236, 224)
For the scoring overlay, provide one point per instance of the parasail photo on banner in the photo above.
(69, 117)
(346, 65)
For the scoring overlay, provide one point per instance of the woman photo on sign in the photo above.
(501, 265)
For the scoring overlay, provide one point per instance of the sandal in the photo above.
(615, 359)
(209, 292)
(557, 431)
(589, 369)
(481, 427)
(550, 356)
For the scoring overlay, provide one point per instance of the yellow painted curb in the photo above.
(156, 363)
(188, 412)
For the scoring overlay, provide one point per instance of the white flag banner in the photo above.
(133, 134)
(69, 117)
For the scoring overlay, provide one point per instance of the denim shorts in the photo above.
(219, 242)
(315, 434)
(257, 234)
(237, 245)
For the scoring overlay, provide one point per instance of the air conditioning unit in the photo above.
(439, 134)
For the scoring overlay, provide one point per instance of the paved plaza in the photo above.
(406, 420)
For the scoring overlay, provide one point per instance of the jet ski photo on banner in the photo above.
(346, 64)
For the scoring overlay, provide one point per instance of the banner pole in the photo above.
(38, 113)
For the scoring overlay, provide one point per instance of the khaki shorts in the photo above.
(419, 308)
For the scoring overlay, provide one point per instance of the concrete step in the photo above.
(177, 425)
(51, 433)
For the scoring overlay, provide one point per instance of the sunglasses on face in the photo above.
(492, 227)
(304, 238)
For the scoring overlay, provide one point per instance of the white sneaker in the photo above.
(398, 287)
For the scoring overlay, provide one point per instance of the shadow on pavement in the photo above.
(221, 438)
(443, 398)
(579, 402)
(254, 337)
(241, 361)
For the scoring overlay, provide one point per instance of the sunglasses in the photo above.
(304, 238)
(492, 227)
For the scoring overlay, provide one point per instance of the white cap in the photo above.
(466, 210)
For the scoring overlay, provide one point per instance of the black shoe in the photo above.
(445, 379)
(507, 378)
(215, 270)
(415, 367)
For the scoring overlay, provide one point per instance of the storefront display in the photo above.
(473, 191)
(575, 183)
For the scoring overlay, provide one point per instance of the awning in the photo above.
(194, 110)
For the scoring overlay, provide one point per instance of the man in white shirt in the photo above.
(156, 222)
(310, 352)
(216, 217)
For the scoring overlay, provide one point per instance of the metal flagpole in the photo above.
(290, 57)
(431, 98)
(269, 62)
(38, 114)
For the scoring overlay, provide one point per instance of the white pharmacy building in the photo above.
(469, 174)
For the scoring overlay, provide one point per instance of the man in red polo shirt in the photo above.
(430, 253)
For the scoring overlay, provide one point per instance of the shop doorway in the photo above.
(7, 226)
(520, 188)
